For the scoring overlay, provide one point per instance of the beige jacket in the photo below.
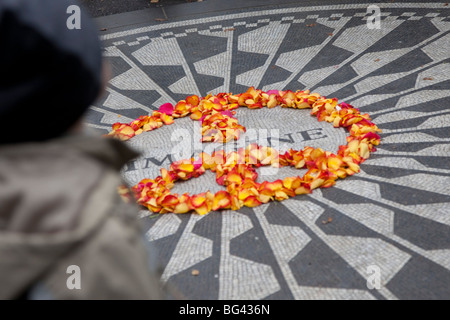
(59, 207)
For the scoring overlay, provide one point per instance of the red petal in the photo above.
(166, 108)
(227, 113)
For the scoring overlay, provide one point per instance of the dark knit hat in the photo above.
(50, 72)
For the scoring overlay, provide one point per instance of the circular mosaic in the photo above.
(390, 222)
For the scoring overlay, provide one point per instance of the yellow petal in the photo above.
(252, 201)
(317, 183)
(202, 210)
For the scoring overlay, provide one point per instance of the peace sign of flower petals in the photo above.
(236, 170)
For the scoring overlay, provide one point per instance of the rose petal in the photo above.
(227, 113)
(169, 201)
(167, 119)
(222, 200)
(166, 108)
(252, 201)
(182, 207)
(234, 178)
(202, 210)
(193, 100)
(197, 200)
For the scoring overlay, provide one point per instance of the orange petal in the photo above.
(197, 200)
(222, 200)
(353, 146)
(273, 101)
(234, 178)
(154, 209)
(202, 210)
(243, 98)
(303, 105)
(196, 115)
(245, 193)
(167, 177)
(122, 131)
(153, 123)
(364, 150)
(236, 204)
(274, 186)
(316, 183)
(265, 198)
(281, 195)
(193, 100)
(170, 201)
(182, 207)
(334, 163)
(287, 182)
(351, 164)
(252, 201)
(302, 190)
(187, 167)
(166, 118)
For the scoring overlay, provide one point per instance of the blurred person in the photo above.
(61, 214)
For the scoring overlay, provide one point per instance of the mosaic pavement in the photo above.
(394, 215)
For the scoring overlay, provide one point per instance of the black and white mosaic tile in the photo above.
(395, 214)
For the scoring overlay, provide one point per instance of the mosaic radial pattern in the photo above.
(394, 214)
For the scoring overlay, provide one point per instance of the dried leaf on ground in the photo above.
(195, 272)
(327, 221)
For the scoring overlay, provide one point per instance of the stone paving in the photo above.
(391, 220)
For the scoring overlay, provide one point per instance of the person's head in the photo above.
(50, 68)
